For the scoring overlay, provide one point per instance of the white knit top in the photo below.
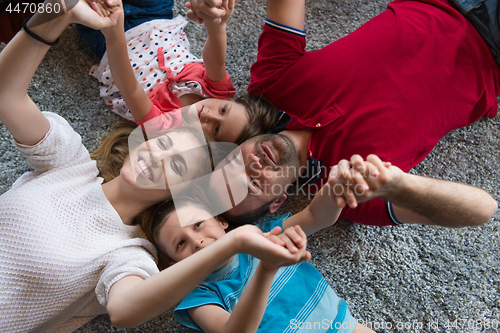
(62, 245)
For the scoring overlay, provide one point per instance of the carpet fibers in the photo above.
(404, 279)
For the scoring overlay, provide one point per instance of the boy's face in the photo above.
(181, 242)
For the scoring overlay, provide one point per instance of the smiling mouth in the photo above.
(268, 153)
(145, 169)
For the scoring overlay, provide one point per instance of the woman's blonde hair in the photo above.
(113, 149)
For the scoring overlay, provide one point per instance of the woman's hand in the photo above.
(97, 15)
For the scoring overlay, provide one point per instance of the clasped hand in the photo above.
(214, 11)
(95, 15)
(356, 180)
(275, 248)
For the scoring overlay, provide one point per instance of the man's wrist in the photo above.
(398, 187)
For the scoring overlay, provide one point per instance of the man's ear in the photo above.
(277, 204)
(222, 221)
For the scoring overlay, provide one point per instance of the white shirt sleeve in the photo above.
(61, 145)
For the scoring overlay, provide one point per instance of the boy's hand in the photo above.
(355, 181)
(250, 239)
(294, 240)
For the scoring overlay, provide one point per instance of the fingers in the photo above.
(297, 236)
(206, 10)
(295, 241)
(375, 160)
(191, 14)
(277, 240)
(275, 231)
(213, 3)
(342, 180)
(288, 243)
(273, 236)
(101, 8)
(354, 181)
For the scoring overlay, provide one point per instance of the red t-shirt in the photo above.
(165, 101)
(394, 87)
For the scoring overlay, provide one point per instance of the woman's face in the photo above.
(197, 230)
(167, 160)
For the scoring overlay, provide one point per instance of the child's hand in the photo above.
(355, 181)
(97, 16)
(101, 8)
(250, 239)
(294, 240)
(228, 6)
(212, 11)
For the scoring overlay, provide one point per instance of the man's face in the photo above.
(263, 167)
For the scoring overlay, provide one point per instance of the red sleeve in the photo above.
(216, 89)
(276, 50)
(157, 121)
(219, 89)
(373, 212)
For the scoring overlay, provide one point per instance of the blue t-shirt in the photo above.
(300, 298)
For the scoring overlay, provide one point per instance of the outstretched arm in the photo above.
(133, 301)
(287, 12)
(248, 312)
(214, 50)
(132, 92)
(418, 199)
(319, 214)
(18, 62)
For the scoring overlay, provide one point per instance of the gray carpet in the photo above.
(393, 276)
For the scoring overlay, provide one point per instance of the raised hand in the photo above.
(295, 241)
(228, 6)
(215, 11)
(357, 180)
(97, 15)
(250, 239)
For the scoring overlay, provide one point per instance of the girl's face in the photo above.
(222, 119)
(179, 242)
(167, 160)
